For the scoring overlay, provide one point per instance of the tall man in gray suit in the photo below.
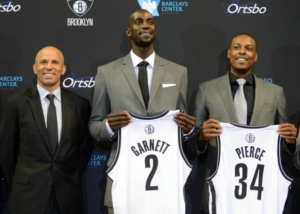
(117, 90)
(214, 102)
(43, 169)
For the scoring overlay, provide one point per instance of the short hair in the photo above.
(245, 34)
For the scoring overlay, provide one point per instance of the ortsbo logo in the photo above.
(241, 9)
(80, 7)
(7, 6)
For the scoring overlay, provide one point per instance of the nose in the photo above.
(242, 50)
(49, 65)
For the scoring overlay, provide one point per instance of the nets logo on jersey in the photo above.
(80, 7)
(149, 129)
(250, 138)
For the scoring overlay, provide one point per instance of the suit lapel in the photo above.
(129, 73)
(36, 108)
(67, 113)
(260, 97)
(158, 73)
(226, 94)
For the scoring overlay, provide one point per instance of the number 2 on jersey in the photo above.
(153, 170)
(258, 175)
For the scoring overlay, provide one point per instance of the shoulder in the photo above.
(75, 97)
(169, 64)
(21, 95)
(222, 80)
(114, 64)
(268, 85)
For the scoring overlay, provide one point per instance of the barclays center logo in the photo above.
(242, 9)
(80, 8)
(166, 7)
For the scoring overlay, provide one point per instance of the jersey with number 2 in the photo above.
(150, 170)
(249, 177)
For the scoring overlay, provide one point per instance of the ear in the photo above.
(228, 53)
(255, 57)
(64, 70)
(128, 32)
(34, 68)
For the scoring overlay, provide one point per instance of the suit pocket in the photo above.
(21, 179)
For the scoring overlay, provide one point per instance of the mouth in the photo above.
(241, 59)
(145, 33)
(48, 74)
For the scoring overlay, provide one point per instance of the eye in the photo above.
(236, 47)
(138, 22)
(150, 22)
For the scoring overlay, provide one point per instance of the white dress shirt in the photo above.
(45, 105)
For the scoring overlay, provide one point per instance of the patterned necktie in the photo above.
(143, 81)
(52, 124)
(240, 102)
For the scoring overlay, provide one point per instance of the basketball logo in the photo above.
(80, 7)
(149, 129)
(250, 138)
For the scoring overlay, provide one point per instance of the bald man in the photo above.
(43, 154)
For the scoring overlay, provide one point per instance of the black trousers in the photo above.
(52, 206)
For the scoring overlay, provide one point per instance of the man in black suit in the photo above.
(45, 177)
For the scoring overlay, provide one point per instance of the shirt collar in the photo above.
(136, 59)
(43, 92)
(249, 78)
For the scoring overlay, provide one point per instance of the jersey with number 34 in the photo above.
(150, 170)
(249, 177)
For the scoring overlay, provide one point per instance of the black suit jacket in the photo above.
(28, 165)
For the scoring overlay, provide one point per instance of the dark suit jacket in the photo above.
(117, 89)
(28, 165)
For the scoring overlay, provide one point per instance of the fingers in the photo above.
(210, 128)
(184, 121)
(118, 120)
(288, 132)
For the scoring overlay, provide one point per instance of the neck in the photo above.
(143, 52)
(241, 73)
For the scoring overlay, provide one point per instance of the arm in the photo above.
(286, 130)
(9, 134)
(100, 110)
(102, 119)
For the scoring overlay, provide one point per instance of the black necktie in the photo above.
(143, 81)
(52, 124)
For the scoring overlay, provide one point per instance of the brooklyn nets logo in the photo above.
(250, 138)
(149, 129)
(80, 7)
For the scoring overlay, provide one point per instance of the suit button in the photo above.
(49, 184)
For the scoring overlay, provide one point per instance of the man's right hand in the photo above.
(210, 128)
(118, 120)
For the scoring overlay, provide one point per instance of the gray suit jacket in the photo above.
(214, 100)
(117, 89)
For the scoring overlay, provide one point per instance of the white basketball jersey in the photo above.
(249, 178)
(150, 169)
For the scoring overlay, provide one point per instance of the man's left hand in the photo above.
(185, 121)
(288, 132)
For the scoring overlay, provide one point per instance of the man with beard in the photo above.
(118, 89)
(265, 105)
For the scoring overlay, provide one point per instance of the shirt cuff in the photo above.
(111, 133)
(186, 136)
